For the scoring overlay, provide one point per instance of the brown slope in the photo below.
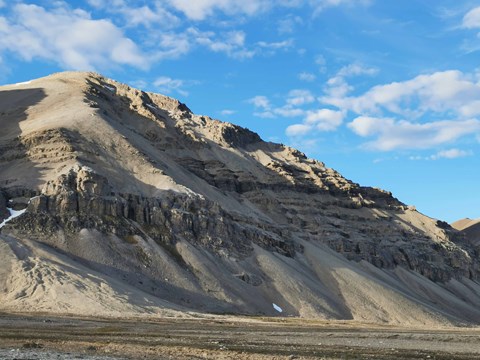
(471, 229)
(206, 215)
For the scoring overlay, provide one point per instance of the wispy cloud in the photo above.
(227, 112)
(471, 20)
(356, 69)
(260, 101)
(321, 5)
(168, 85)
(298, 97)
(232, 43)
(201, 9)
(451, 154)
(306, 76)
(149, 15)
(288, 25)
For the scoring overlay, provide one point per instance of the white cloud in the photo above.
(96, 3)
(288, 24)
(288, 111)
(324, 119)
(231, 43)
(146, 15)
(264, 114)
(298, 130)
(438, 92)
(260, 101)
(70, 38)
(227, 112)
(299, 97)
(393, 134)
(168, 85)
(471, 20)
(321, 5)
(306, 76)
(367, 126)
(280, 45)
(444, 154)
(317, 120)
(201, 9)
(439, 106)
(337, 87)
(294, 99)
(172, 45)
(451, 154)
(471, 108)
(356, 69)
(139, 84)
(321, 62)
(336, 90)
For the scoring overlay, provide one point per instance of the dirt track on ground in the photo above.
(46, 337)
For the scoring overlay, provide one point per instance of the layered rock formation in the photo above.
(206, 215)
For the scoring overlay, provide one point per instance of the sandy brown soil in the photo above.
(228, 338)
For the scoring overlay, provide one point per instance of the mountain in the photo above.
(135, 205)
(471, 229)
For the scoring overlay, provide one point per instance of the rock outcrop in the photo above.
(3, 207)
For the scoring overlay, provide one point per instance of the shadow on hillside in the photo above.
(15, 165)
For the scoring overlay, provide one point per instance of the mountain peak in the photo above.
(203, 214)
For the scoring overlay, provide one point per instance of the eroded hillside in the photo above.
(193, 213)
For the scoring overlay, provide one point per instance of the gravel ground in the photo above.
(41, 337)
(38, 354)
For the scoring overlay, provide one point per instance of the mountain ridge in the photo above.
(205, 215)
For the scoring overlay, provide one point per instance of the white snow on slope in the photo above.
(278, 308)
(13, 215)
(111, 88)
(22, 83)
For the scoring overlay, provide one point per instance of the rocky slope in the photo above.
(470, 228)
(187, 212)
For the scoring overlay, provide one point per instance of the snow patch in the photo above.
(278, 308)
(152, 107)
(13, 215)
(111, 88)
(22, 83)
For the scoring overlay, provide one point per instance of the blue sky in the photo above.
(386, 92)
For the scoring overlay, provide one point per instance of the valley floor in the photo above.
(209, 337)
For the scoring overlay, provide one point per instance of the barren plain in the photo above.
(222, 337)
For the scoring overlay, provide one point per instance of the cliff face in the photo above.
(206, 215)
